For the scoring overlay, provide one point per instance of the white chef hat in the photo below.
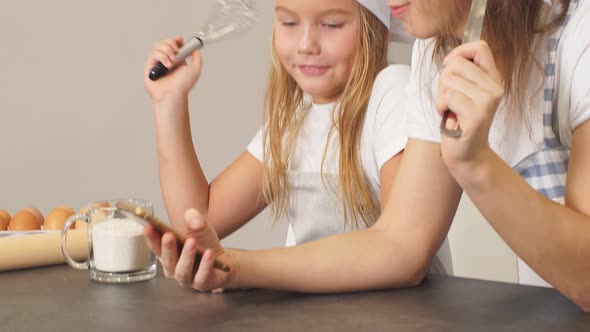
(380, 9)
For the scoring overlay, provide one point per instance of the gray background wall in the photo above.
(76, 124)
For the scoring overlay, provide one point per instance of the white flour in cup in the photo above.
(118, 245)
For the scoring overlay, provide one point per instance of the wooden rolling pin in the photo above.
(27, 251)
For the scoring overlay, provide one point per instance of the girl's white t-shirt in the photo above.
(315, 210)
(509, 139)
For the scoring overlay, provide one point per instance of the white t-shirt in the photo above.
(315, 211)
(512, 142)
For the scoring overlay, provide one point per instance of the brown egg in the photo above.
(81, 224)
(67, 208)
(24, 221)
(97, 205)
(36, 213)
(98, 213)
(4, 220)
(56, 219)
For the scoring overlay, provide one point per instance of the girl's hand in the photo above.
(177, 83)
(472, 90)
(182, 268)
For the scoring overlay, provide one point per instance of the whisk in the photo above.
(228, 18)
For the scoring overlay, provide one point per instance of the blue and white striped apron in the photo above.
(546, 170)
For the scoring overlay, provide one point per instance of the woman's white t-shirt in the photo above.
(513, 142)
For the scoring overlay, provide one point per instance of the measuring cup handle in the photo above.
(448, 132)
(64, 237)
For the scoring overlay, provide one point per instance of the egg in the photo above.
(100, 211)
(24, 221)
(36, 213)
(81, 224)
(56, 219)
(4, 220)
(67, 208)
(97, 205)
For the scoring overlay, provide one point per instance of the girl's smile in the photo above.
(313, 70)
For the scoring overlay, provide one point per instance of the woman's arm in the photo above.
(396, 252)
(554, 240)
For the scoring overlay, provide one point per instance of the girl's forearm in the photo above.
(551, 238)
(182, 181)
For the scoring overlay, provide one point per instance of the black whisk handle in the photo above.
(185, 51)
(158, 71)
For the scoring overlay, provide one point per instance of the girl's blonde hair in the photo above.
(284, 103)
(511, 28)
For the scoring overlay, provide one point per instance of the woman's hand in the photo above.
(472, 89)
(184, 269)
(177, 83)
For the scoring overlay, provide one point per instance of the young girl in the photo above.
(522, 101)
(324, 160)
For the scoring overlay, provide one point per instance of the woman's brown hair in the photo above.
(511, 28)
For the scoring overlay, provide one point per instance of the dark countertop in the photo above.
(62, 299)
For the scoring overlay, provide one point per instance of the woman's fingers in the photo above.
(480, 53)
(458, 84)
(469, 85)
(470, 71)
(457, 102)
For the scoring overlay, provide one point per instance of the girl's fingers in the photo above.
(169, 257)
(202, 231)
(172, 43)
(164, 55)
(206, 273)
(196, 59)
(165, 52)
(156, 57)
(179, 41)
(153, 240)
(168, 50)
(185, 266)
